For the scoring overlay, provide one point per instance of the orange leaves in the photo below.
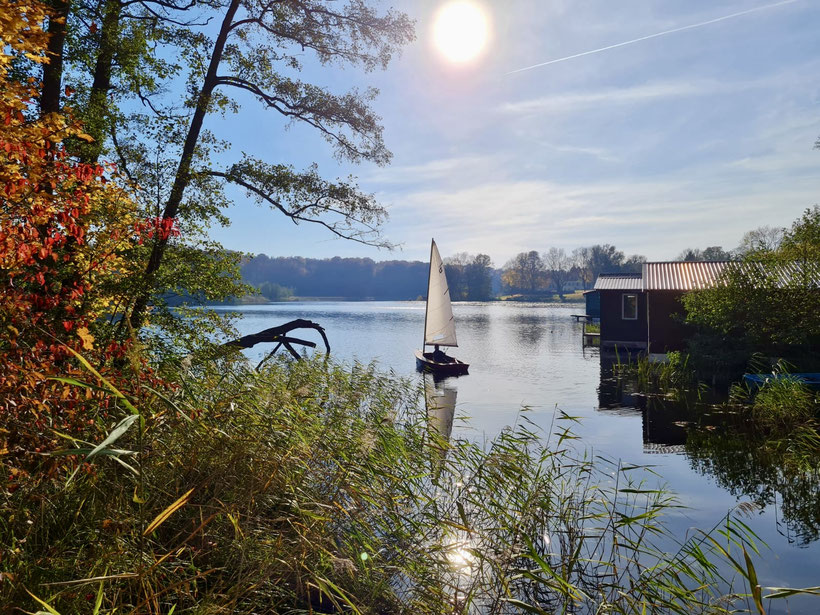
(63, 230)
(86, 338)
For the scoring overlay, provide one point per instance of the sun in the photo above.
(460, 31)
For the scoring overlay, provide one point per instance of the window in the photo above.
(629, 309)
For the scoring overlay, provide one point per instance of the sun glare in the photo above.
(460, 31)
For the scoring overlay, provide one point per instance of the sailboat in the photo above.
(439, 324)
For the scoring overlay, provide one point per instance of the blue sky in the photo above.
(683, 140)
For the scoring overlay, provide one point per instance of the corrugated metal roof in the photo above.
(618, 281)
(682, 275)
(696, 275)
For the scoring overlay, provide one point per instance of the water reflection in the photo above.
(440, 400)
(530, 329)
(769, 469)
(459, 554)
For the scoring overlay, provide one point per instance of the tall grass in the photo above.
(308, 488)
(673, 376)
(782, 403)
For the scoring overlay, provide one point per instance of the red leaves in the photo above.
(163, 228)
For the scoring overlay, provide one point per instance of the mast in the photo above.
(427, 301)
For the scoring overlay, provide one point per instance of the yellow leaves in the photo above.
(36, 58)
(165, 514)
(85, 137)
(21, 30)
(86, 338)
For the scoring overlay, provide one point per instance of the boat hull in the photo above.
(426, 363)
(811, 380)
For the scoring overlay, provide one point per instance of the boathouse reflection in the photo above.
(720, 442)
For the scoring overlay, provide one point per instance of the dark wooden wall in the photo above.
(613, 327)
(666, 328)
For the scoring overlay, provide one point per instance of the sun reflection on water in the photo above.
(460, 556)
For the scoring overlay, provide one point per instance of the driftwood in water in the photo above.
(279, 336)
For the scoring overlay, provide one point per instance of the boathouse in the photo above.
(592, 302)
(665, 284)
(623, 310)
(644, 311)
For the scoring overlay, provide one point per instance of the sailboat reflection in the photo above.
(440, 401)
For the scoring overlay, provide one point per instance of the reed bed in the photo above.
(316, 488)
(673, 377)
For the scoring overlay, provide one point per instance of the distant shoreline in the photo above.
(569, 298)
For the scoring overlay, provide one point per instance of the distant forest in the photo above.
(349, 278)
(529, 275)
(471, 278)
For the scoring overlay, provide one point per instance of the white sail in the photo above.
(439, 325)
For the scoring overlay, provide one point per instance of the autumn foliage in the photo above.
(66, 233)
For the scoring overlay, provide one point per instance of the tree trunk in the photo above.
(183, 174)
(97, 115)
(53, 71)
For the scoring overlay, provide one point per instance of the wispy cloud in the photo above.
(576, 101)
(439, 169)
(654, 218)
(655, 35)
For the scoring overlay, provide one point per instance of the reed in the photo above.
(674, 376)
(782, 404)
(313, 488)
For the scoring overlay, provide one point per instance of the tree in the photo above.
(455, 267)
(712, 253)
(767, 303)
(604, 258)
(763, 239)
(479, 278)
(121, 50)
(255, 50)
(275, 292)
(67, 232)
(634, 263)
(558, 266)
(581, 261)
(468, 277)
(525, 272)
(801, 242)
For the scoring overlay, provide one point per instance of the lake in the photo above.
(531, 355)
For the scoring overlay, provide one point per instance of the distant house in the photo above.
(643, 311)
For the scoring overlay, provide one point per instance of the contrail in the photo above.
(656, 35)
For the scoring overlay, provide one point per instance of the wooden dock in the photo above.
(590, 338)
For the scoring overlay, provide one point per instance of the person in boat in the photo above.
(440, 356)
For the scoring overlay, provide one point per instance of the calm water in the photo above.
(531, 355)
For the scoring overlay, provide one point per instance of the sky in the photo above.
(681, 140)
